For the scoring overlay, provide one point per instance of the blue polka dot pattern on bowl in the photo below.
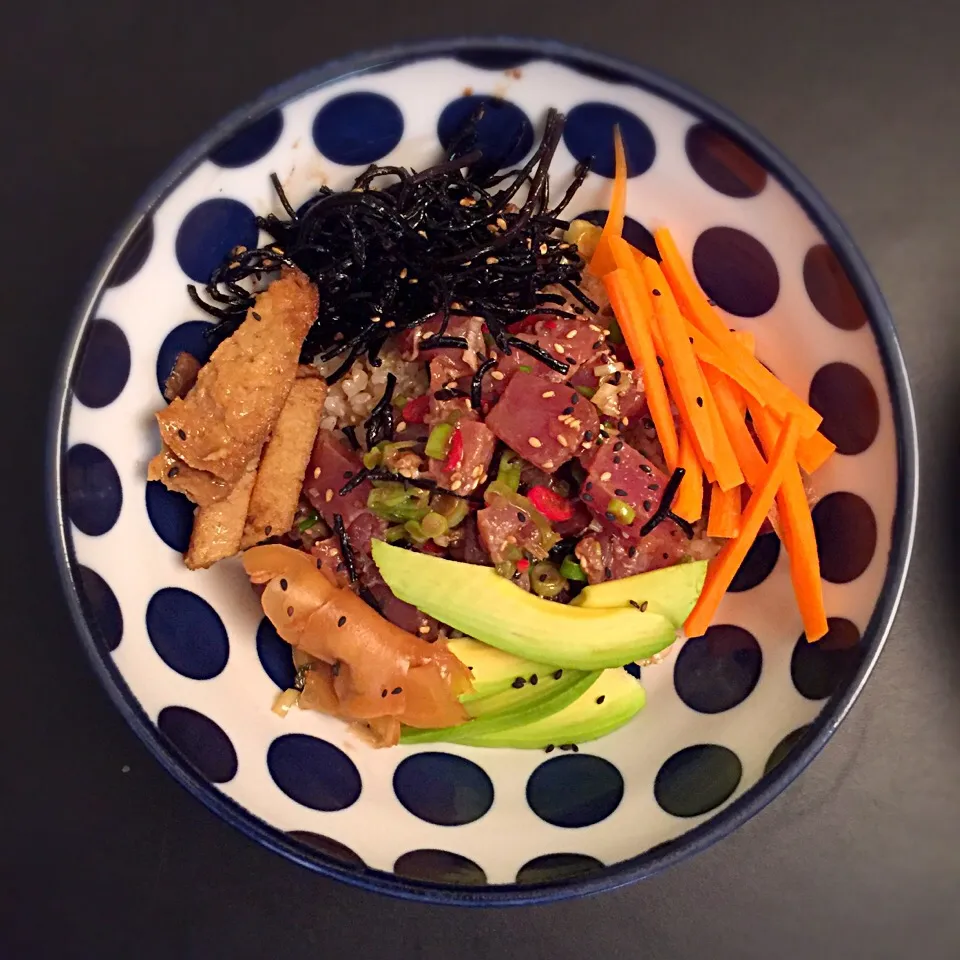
(722, 163)
(133, 256)
(846, 530)
(844, 396)
(93, 492)
(758, 564)
(488, 59)
(189, 337)
(589, 134)
(187, 633)
(313, 773)
(820, 669)
(104, 365)
(275, 657)
(101, 607)
(201, 741)
(736, 271)
(442, 788)
(170, 514)
(634, 232)
(251, 142)
(557, 866)
(783, 748)
(440, 866)
(830, 290)
(576, 790)
(358, 128)
(209, 232)
(503, 134)
(328, 846)
(719, 670)
(697, 779)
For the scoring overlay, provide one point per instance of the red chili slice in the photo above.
(415, 410)
(523, 565)
(550, 504)
(455, 453)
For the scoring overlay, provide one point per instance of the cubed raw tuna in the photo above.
(475, 448)
(504, 527)
(618, 472)
(608, 556)
(331, 465)
(545, 422)
(449, 392)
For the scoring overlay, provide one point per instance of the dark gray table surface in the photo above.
(103, 855)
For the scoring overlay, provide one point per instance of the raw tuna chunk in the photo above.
(618, 472)
(608, 556)
(504, 528)
(470, 328)
(468, 548)
(477, 450)
(545, 422)
(449, 392)
(331, 465)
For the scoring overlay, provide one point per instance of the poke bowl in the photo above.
(483, 471)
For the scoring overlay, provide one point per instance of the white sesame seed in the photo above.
(534, 442)
(562, 440)
(492, 260)
(625, 421)
(483, 479)
(424, 629)
(401, 426)
(389, 324)
(456, 485)
(547, 394)
(476, 472)
(595, 328)
(558, 347)
(450, 384)
(423, 233)
(501, 223)
(548, 465)
(543, 248)
(403, 273)
(413, 280)
(468, 202)
(316, 472)
(605, 476)
(328, 496)
(587, 446)
(374, 319)
(497, 375)
(571, 334)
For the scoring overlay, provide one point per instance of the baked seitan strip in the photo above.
(223, 422)
(217, 529)
(199, 486)
(276, 492)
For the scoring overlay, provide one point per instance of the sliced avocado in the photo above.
(492, 669)
(672, 592)
(482, 604)
(608, 703)
(535, 687)
(529, 704)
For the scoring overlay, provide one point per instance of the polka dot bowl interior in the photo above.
(731, 718)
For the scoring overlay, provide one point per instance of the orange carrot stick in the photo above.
(689, 501)
(602, 261)
(723, 569)
(708, 352)
(747, 340)
(723, 519)
(814, 451)
(681, 359)
(798, 534)
(634, 316)
(694, 304)
(725, 464)
(731, 416)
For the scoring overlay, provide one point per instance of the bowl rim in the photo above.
(614, 70)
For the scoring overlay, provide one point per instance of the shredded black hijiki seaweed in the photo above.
(401, 247)
(346, 550)
(663, 511)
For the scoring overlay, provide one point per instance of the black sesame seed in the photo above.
(341, 566)
(518, 683)
(618, 446)
(659, 361)
(283, 583)
(319, 563)
(655, 292)
(383, 693)
(620, 492)
(643, 606)
(607, 573)
(558, 674)
(172, 472)
(347, 474)
(597, 345)
(289, 611)
(255, 315)
(335, 669)
(587, 434)
(699, 401)
(574, 748)
(654, 487)
(182, 434)
(549, 748)
(600, 699)
(633, 603)
(396, 690)
(575, 399)
(587, 496)
(341, 621)
(648, 424)
(647, 505)
(588, 485)
(567, 411)
(690, 339)
(534, 679)
(666, 556)
(616, 459)
(522, 517)
(268, 530)
(610, 516)
(632, 552)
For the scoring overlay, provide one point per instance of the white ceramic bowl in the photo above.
(731, 718)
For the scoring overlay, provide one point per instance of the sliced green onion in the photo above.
(622, 511)
(506, 569)
(372, 458)
(587, 392)
(546, 580)
(509, 471)
(434, 524)
(571, 569)
(394, 534)
(416, 531)
(394, 501)
(439, 441)
(525, 367)
(614, 336)
(453, 509)
(307, 522)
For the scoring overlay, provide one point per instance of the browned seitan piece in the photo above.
(217, 529)
(276, 492)
(199, 486)
(182, 377)
(223, 422)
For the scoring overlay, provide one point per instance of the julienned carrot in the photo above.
(723, 569)
(708, 352)
(814, 451)
(689, 501)
(681, 358)
(696, 308)
(731, 413)
(726, 467)
(602, 261)
(723, 518)
(798, 534)
(634, 315)
(747, 340)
